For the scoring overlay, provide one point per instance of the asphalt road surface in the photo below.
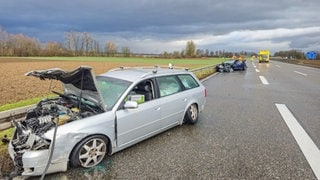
(260, 124)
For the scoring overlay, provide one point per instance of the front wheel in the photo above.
(89, 152)
(191, 115)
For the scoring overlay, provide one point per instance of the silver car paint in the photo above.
(133, 125)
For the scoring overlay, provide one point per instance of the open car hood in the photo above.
(79, 82)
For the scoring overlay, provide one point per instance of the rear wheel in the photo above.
(191, 115)
(89, 152)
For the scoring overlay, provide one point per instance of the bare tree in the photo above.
(69, 42)
(111, 48)
(4, 43)
(73, 40)
(54, 49)
(97, 49)
(126, 51)
(76, 44)
(88, 43)
(176, 54)
(25, 46)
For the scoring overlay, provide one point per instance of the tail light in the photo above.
(205, 92)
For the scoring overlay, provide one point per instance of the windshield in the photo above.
(111, 89)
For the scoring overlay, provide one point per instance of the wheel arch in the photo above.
(109, 144)
(186, 109)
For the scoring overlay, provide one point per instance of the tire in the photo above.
(191, 115)
(89, 152)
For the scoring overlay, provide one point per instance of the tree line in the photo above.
(75, 44)
(190, 51)
(82, 44)
(293, 54)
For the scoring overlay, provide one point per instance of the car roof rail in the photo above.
(155, 68)
(171, 66)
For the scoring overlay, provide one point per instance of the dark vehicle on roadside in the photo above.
(232, 65)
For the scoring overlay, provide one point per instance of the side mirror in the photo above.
(131, 105)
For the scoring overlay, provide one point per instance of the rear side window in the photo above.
(188, 81)
(168, 85)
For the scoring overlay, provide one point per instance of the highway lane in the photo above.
(245, 107)
(299, 88)
(240, 135)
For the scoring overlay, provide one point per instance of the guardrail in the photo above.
(7, 116)
(205, 71)
(19, 113)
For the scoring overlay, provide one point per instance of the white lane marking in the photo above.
(310, 151)
(300, 73)
(278, 66)
(254, 66)
(263, 80)
(257, 70)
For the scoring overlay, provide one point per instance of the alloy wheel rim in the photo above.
(193, 112)
(92, 152)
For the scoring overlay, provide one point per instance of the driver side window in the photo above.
(142, 92)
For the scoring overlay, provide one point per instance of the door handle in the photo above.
(157, 109)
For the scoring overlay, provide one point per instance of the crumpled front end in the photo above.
(224, 67)
(34, 162)
(30, 147)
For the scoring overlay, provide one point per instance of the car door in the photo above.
(134, 125)
(173, 99)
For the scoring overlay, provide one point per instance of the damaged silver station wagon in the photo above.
(97, 116)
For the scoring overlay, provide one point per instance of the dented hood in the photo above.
(80, 82)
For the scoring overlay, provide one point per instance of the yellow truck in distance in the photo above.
(264, 56)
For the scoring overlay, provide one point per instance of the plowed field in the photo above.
(14, 86)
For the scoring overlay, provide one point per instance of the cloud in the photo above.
(166, 25)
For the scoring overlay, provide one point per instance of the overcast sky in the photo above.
(155, 26)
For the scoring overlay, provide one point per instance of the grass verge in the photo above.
(6, 164)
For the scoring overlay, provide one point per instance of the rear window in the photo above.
(188, 81)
